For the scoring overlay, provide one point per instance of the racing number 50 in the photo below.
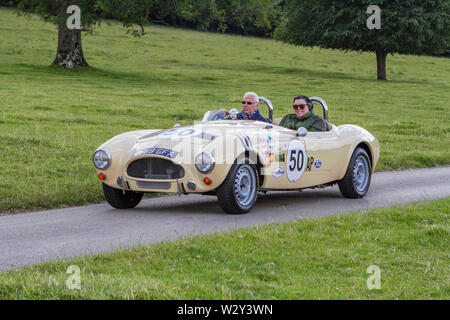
(296, 160)
(297, 163)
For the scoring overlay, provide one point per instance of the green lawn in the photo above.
(319, 258)
(51, 120)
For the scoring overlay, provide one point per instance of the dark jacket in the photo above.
(309, 121)
(255, 116)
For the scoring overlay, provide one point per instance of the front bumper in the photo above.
(119, 179)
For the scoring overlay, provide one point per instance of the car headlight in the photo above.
(101, 159)
(204, 162)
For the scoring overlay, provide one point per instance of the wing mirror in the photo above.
(302, 132)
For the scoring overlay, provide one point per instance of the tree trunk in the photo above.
(381, 64)
(70, 52)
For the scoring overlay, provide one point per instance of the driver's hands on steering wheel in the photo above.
(223, 112)
(220, 115)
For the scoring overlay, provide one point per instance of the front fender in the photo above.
(352, 136)
(119, 147)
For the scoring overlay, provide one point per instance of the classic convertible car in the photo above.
(235, 160)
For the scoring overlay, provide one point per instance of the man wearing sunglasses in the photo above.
(250, 105)
(303, 116)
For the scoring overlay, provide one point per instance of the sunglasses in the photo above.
(248, 102)
(299, 106)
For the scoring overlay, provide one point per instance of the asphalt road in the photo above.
(36, 237)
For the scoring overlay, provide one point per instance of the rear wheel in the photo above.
(356, 181)
(238, 192)
(117, 199)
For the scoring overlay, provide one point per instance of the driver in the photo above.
(303, 116)
(250, 105)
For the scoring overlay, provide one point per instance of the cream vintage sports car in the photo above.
(234, 159)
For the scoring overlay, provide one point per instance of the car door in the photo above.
(303, 162)
(325, 161)
(287, 161)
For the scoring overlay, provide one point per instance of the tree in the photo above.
(70, 51)
(407, 26)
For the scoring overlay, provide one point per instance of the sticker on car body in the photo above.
(318, 164)
(296, 160)
(278, 173)
(181, 133)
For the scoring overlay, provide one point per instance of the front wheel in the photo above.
(238, 192)
(117, 199)
(356, 181)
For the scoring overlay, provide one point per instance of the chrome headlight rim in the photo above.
(211, 166)
(108, 154)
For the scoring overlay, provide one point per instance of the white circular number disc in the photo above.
(181, 133)
(296, 160)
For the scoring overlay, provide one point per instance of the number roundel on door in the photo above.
(296, 160)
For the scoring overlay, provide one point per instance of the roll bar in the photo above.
(269, 105)
(324, 106)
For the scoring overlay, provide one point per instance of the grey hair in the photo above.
(252, 94)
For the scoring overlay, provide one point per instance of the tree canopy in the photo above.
(70, 51)
(251, 17)
(407, 26)
(92, 11)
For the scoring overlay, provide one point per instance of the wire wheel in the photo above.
(239, 191)
(356, 181)
(245, 185)
(361, 171)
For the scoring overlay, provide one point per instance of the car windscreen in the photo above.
(213, 115)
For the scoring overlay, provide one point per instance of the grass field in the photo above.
(52, 120)
(320, 258)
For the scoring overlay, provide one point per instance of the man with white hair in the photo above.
(250, 105)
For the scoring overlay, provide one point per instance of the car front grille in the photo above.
(155, 169)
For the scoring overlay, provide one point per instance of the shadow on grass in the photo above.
(90, 73)
(97, 75)
(321, 74)
(22, 68)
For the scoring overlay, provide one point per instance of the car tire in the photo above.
(117, 199)
(239, 191)
(356, 181)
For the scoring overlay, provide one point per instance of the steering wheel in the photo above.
(218, 116)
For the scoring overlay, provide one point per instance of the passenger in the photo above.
(303, 116)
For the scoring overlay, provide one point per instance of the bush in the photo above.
(247, 17)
